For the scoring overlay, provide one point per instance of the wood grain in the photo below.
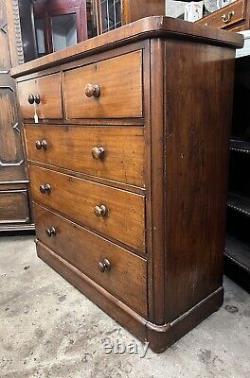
(120, 81)
(149, 27)
(49, 90)
(197, 145)
(14, 206)
(127, 279)
(177, 222)
(134, 10)
(77, 199)
(124, 150)
(215, 19)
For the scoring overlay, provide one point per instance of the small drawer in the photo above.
(115, 153)
(226, 16)
(120, 272)
(107, 89)
(44, 93)
(112, 212)
(14, 206)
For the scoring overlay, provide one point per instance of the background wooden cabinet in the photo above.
(14, 197)
(111, 14)
(234, 17)
(61, 23)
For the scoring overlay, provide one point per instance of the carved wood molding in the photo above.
(17, 26)
(14, 32)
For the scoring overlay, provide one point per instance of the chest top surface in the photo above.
(150, 27)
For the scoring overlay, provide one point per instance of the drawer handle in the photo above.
(98, 153)
(46, 188)
(104, 266)
(37, 99)
(31, 99)
(101, 211)
(92, 90)
(226, 18)
(41, 144)
(51, 231)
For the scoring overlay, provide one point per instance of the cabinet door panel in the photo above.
(12, 165)
(4, 48)
(14, 206)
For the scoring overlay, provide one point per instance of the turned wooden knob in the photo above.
(45, 189)
(101, 211)
(37, 99)
(31, 99)
(51, 231)
(104, 266)
(41, 144)
(92, 90)
(98, 153)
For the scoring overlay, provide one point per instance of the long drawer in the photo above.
(108, 89)
(113, 212)
(120, 272)
(115, 153)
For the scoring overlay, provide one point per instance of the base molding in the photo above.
(17, 228)
(160, 337)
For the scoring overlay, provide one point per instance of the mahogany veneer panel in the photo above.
(78, 198)
(84, 249)
(124, 150)
(120, 81)
(49, 90)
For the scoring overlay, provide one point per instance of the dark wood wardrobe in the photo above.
(15, 213)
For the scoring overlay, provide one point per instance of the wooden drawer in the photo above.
(226, 16)
(48, 88)
(79, 199)
(14, 206)
(119, 81)
(122, 159)
(126, 278)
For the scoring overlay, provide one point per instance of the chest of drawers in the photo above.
(128, 170)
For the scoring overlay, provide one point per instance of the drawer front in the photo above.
(113, 212)
(14, 206)
(108, 89)
(115, 153)
(48, 91)
(25, 89)
(123, 275)
(227, 16)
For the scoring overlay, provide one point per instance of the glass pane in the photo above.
(64, 31)
(40, 35)
(110, 14)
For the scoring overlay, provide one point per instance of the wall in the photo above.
(174, 8)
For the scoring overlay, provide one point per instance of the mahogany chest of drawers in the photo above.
(128, 169)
